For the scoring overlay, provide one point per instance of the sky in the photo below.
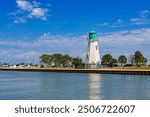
(29, 28)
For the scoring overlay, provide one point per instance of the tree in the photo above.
(145, 61)
(114, 62)
(122, 60)
(140, 59)
(107, 59)
(57, 59)
(132, 59)
(66, 60)
(31, 64)
(45, 59)
(77, 62)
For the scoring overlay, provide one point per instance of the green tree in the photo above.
(77, 62)
(145, 61)
(132, 59)
(140, 59)
(107, 59)
(57, 59)
(114, 61)
(45, 59)
(31, 64)
(122, 60)
(66, 60)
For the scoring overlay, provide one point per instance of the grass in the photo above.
(133, 67)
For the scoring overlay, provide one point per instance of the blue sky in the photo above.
(29, 28)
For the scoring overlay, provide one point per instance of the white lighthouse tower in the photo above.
(93, 56)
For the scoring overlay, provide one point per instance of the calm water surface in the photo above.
(45, 85)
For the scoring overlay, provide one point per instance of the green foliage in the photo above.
(135, 59)
(122, 60)
(107, 59)
(132, 59)
(56, 59)
(45, 59)
(31, 64)
(59, 60)
(114, 61)
(139, 59)
(77, 62)
(66, 60)
(145, 61)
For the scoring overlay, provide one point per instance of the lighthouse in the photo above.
(93, 55)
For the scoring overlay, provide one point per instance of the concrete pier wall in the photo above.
(98, 71)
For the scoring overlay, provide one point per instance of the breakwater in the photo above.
(72, 70)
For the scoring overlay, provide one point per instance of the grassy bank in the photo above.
(132, 67)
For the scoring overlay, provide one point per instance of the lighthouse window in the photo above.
(96, 47)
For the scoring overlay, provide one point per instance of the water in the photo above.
(46, 85)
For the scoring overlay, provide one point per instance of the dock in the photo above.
(73, 70)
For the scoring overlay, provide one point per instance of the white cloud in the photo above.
(118, 23)
(39, 13)
(143, 18)
(126, 42)
(140, 21)
(116, 43)
(36, 4)
(128, 37)
(30, 10)
(46, 43)
(144, 13)
(24, 5)
(19, 20)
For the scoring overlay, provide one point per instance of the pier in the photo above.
(73, 70)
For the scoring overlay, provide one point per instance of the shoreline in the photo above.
(74, 70)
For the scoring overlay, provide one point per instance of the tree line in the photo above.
(136, 59)
(60, 60)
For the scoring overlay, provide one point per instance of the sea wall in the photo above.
(71, 70)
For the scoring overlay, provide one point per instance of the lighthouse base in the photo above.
(92, 66)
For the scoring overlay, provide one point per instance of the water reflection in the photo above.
(73, 86)
(94, 85)
(63, 86)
